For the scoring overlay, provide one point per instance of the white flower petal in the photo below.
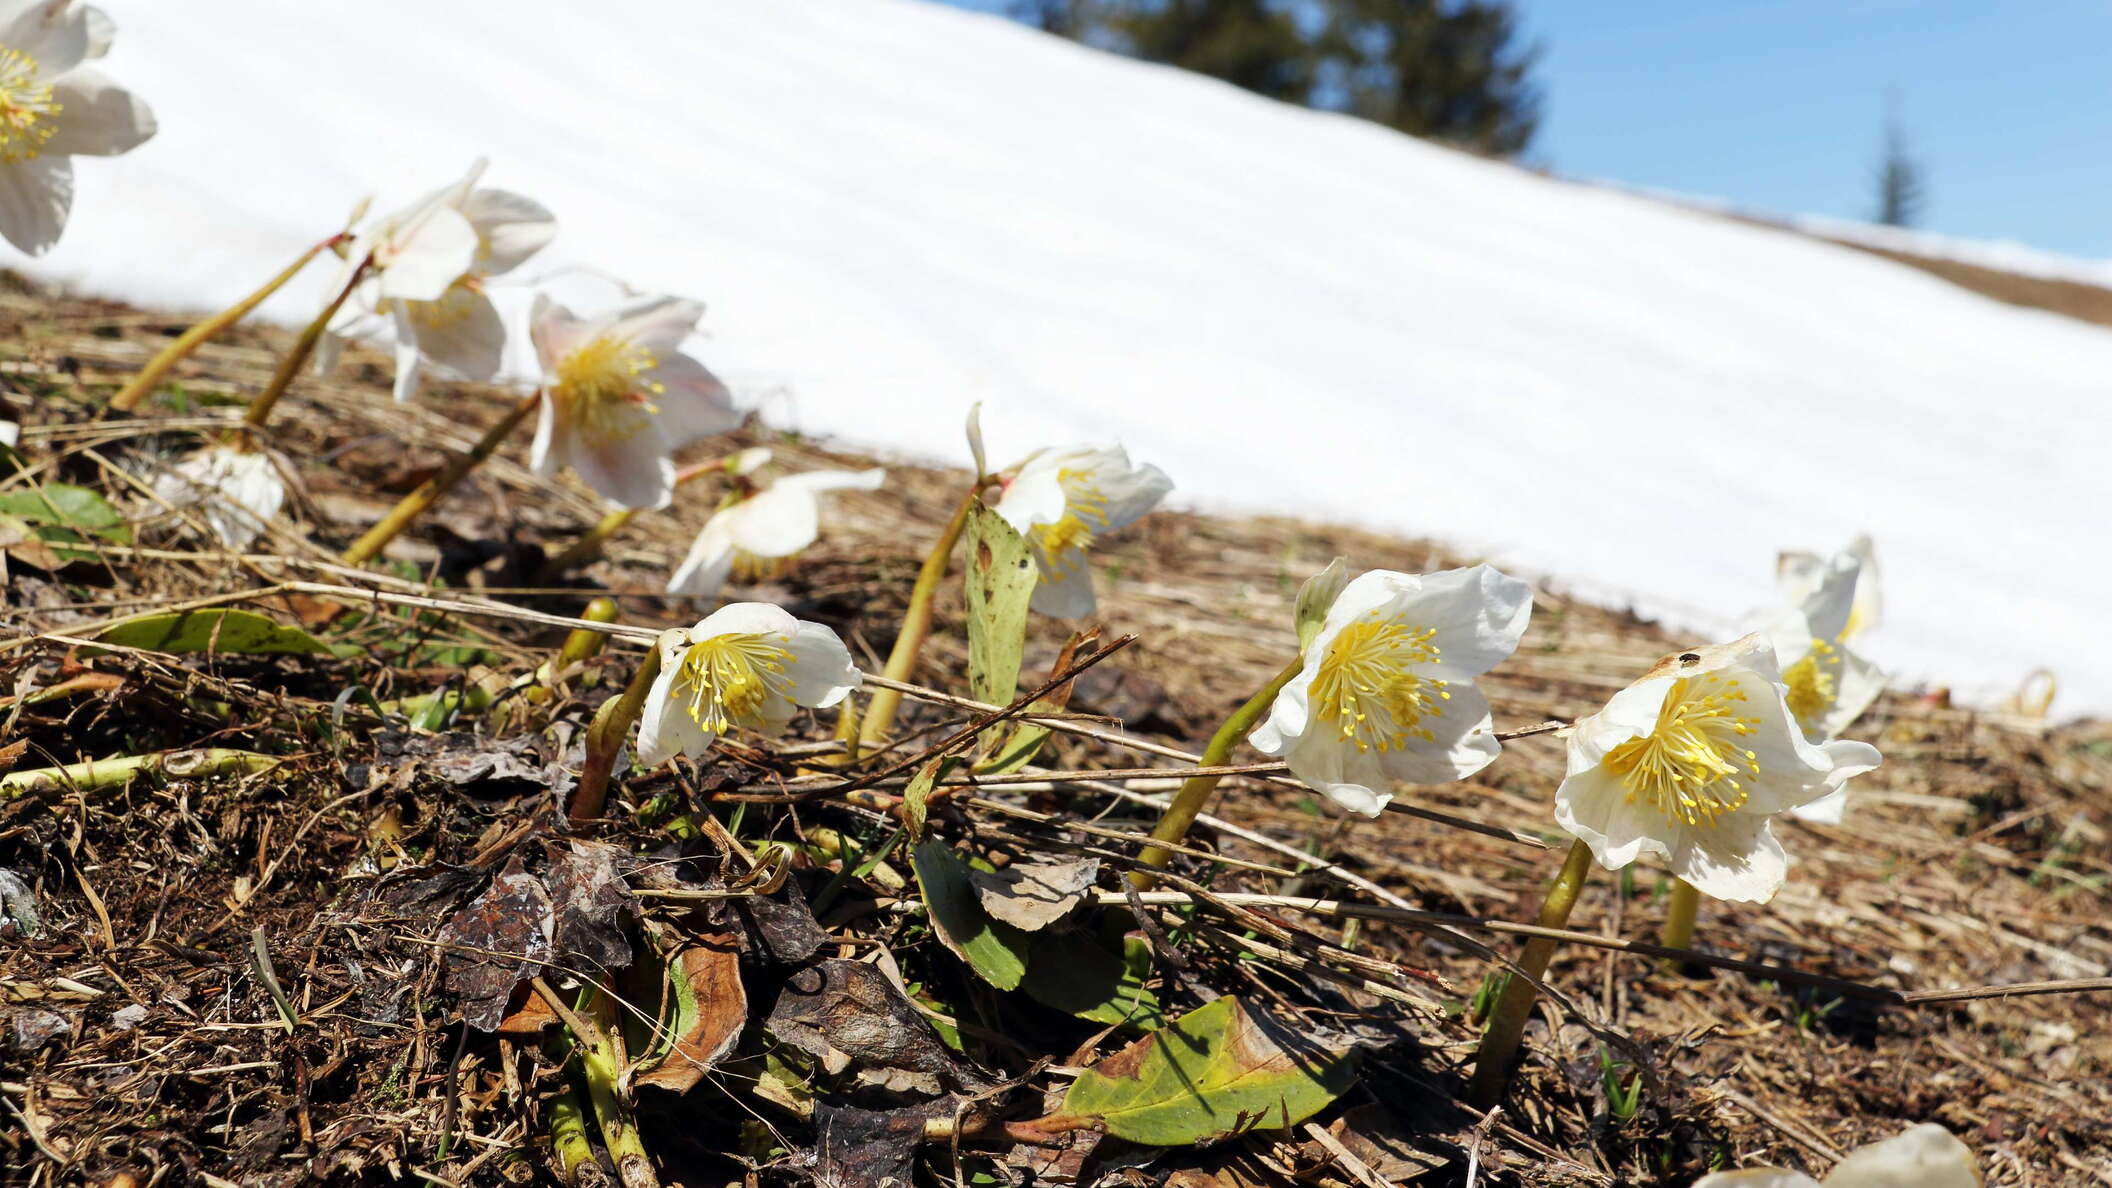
(98, 117)
(635, 472)
(238, 492)
(693, 403)
(1464, 742)
(710, 559)
(431, 256)
(510, 229)
(659, 323)
(665, 728)
(1757, 1177)
(410, 361)
(1593, 807)
(775, 523)
(1928, 1156)
(1829, 809)
(1479, 613)
(59, 34)
(1034, 496)
(1736, 859)
(1065, 594)
(746, 618)
(463, 333)
(821, 669)
(1132, 493)
(35, 197)
(544, 456)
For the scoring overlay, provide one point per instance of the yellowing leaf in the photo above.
(1001, 577)
(1218, 1070)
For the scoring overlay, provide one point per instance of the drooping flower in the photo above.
(749, 665)
(1829, 684)
(1062, 500)
(751, 539)
(1926, 1156)
(430, 266)
(238, 491)
(1387, 689)
(53, 109)
(1798, 576)
(1691, 762)
(619, 396)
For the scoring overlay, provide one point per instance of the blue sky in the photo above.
(1778, 105)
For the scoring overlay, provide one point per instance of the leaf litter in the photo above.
(406, 865)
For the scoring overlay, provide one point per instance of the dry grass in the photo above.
(1975, 856)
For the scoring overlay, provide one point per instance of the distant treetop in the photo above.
(1450, 71)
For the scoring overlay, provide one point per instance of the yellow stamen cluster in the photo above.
(729, 679)
(1367, 689)
(452, 307)
(1812, 684)
(605, 387)
(1065, 542)
(750, 568)
(1688, 766)
(26, 108)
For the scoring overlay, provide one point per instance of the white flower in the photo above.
(1798, 577)
(238, 490)
(1691, 761)
(431, 262)
(1387, 691)
(619, 397)
(748, 664)
(53, 109)
(1062, 500)
(751, 538)
(1927, 1156)
(1829, 685)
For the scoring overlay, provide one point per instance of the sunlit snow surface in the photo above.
(896, 209)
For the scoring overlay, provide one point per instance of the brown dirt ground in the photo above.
(141, 1047)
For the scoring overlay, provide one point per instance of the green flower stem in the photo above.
(1679, 917)
(429, 492)
(303, 347)
(916, 626)
(137, 390)
(98, 775)
(568, 1138)
(602, 1060)
(612, 723)
(1499, 1044)
(588, 546)
(1195, 791)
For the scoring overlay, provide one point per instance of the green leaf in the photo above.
(1072, 972)
(1218, 1070)
(994, 950)
(1001, 577)
(63, 512)
(219, 631)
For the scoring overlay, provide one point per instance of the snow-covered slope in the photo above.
(896, 209)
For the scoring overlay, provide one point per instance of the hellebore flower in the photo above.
(619, 397)
(1691, 762)
(1062, 500)
(430, 264)
(238, 491)
(1387, 691)
(53, 109)
(751, 539)
(748, 664)
(1829, 685)
(1927, 1156)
